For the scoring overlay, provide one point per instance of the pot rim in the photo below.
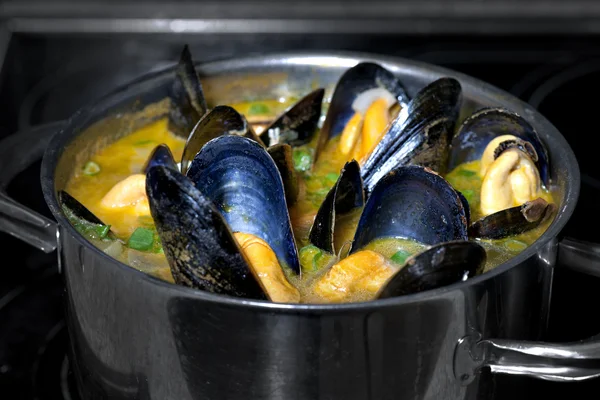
(320, 59)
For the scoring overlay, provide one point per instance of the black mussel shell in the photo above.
(484, 125)
(161, 155)
(282, 155)
(356, 80)
(221, 120)
(512, 221)
(79, 210)
(197, 242)
(188, 101)
(440, 265)
(243, 181)
(421, 133)
(346, 195)
(412, 202)
(298, 124)
(466, 206)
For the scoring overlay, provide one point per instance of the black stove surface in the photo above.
(46, 78)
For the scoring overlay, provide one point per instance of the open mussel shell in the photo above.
(438, 266)
(241, 178)
(421, 133)
(346, 195)
(412, 202)
(282, 155)
(484, 125)
(298, 124)
(221, 120)
(79, 210)
(188, 101)
(197, 242)
(513, 221)
(161, 155)
(355, 81)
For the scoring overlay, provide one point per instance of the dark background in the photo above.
(57, 56)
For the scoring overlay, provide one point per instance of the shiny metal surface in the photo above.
(17, 153)
(413, 17)
(135, 337)
(580, 256)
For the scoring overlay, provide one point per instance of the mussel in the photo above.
(161, 155)
(298, 124)
(420, 135)
(197, 242)
(486, 124)
(440, 265)
(243, 181)
(360, 109)
(414, 203)
(513, 221)
(514, 169)
(346, 196)
(188, 103)
(221, 120)
(226, 222)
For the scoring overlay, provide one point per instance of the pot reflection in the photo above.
(264, 355)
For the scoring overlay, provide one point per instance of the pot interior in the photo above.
(285, 75)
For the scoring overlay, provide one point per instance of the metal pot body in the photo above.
(131, 341)
(135, 337)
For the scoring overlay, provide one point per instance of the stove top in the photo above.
(46, 77)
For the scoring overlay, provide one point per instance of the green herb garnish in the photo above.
(143, 142)
(88, 229)
(400, 257)
(141, 239)
(91, 168)
(331, 178)
(302, 159)
(469, 195)
(466, 173)
(258, 109)
(308, 258)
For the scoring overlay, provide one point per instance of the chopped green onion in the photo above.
(515, 245)
(102, 230)
(302, 160)
(400, 257)
(466, 173)
(469, 195)
(332, 178)
(258, 109)
(143, 142)
(91, 168)
(308, 258)
(141, 239)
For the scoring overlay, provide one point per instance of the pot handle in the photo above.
(17, 152)
(558, 362)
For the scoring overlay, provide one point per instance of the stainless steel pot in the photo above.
(136, 337)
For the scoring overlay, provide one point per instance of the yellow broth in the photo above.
(128, 155)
